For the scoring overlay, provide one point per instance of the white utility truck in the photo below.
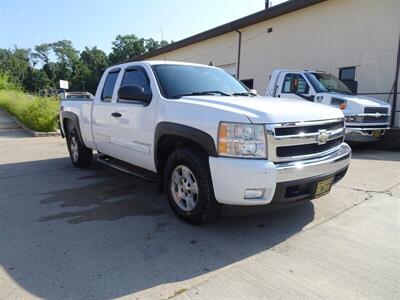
(208, 139)
(366, 119)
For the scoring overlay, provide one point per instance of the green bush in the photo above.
(37, 113)
(5, 83)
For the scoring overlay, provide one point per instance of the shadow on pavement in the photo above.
(97, 233)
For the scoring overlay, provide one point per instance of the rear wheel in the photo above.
(188, 185)
(80, 155)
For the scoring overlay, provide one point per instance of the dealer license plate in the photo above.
(323, 187)
(376, 133)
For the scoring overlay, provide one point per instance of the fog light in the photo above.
(254, 193)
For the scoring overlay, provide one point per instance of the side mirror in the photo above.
(134, 93)
(254, 91)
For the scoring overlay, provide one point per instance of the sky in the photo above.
(91, 23)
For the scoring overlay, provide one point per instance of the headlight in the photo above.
(242, 140)
(354, 119)
(340, 103)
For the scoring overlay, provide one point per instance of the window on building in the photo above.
(348, 73)
(109, 84)
(295, 83)
(248, 82)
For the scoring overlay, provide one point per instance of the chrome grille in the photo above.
(303, 140)
(376, 119)
(374, 115)
(373, 110)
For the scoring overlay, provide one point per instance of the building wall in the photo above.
(325, 36)
(220, 51)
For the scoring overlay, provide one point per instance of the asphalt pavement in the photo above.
(67, 233)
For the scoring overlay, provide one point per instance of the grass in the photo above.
(37, 113)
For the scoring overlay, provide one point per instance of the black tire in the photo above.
(206, 207)
(83, 155)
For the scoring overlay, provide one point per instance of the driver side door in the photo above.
(132, 121)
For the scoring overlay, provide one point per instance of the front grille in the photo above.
(373, 119)
(282, 131)
(304, 140)
(372, 110)
(307, 148)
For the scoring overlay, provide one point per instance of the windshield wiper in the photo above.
(251, 94)
(202, 93)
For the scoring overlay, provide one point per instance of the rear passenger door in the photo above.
(103, 106)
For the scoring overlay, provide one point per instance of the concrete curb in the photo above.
(30, 131)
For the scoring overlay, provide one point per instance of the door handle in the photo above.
(116, 114)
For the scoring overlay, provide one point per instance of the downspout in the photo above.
(396, 81)
(239, 49)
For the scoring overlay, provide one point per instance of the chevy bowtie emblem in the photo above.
(377, 115)
(323, 136)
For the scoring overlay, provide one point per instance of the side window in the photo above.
(108, 88)
(302, 87)
(286, 83)
(295, 83)
(135, 77)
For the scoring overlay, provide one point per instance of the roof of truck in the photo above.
(156, 62)
(171, 62)
(298, 70)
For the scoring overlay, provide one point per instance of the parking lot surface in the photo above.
(67, 233)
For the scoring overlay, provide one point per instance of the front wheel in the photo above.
(80, 155)
(188, 185)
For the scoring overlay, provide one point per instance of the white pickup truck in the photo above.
(209, 140)
(366, 119)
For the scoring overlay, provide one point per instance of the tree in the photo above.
(42, 53)
(65, 52)
(151, 44)
(164, 43)
(35, 70)
(67, 57)
(126, 47)
(16, 63)
(36, 80)
(96, 61)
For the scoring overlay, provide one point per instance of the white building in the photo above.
(352, 39)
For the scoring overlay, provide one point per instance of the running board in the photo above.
(127, 168)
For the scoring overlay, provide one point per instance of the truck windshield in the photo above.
(180, 80)
(323, 82)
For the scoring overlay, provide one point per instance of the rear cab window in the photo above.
(109, 85)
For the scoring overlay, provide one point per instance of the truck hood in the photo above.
(267, 109)
(362, 100)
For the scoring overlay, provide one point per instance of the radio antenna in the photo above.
(162, 38)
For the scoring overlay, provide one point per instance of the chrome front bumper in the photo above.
(366, 130)
(289, 171)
